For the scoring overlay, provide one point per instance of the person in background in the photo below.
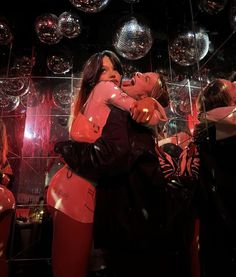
(206, 160)
(100, 88)
(7, 200)
(215, 138)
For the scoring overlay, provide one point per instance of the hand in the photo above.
(143, 109)
(65, 149)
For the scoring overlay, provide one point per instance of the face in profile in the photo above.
(141, 85)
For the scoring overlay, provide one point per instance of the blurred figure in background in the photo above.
(215, 138)
(209, 159)
(7, 201)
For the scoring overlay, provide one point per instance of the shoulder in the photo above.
(107, 85)
(118, 113)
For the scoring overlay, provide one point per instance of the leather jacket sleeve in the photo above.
(107, 156)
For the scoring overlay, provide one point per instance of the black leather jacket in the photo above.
(135, 206)
(216, 202)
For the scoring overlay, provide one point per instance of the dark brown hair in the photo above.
(92, 70)
(160, 92)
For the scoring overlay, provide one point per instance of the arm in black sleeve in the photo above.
(107, 156)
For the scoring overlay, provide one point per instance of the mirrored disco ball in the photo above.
(59, 64)
(8, 103)
(16, 86)
(132, 39)
(212, 7)
(69, 25)
(187, 48)
(46, 27)
(62, 95)
(6, 36)
(23, 66)
(90, 6)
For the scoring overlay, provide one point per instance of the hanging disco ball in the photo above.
(69, 25)
(212, 7)
(46, 27)
(16, 86)
(62, 96)
(59, 64)
(133, 39)
(90, 6)
(8, 103)
(6, 36)
(188, 47)
(22, 66)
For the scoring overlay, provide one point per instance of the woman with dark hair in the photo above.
(7, 200)
(74, 203)
(215, 143)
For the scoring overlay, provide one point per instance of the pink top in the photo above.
(107, 93)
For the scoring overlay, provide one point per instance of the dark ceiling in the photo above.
(163, 16)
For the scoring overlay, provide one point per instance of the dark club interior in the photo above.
(43, 47)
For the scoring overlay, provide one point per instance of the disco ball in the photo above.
(90, 6)
(132, 39)
(62, 95)
(59, 64)
(212, 7)
(6, 36)
(46, 27)
(16, 86)
(69, 25)
(8, 103)
(22, 66)
(189, 47)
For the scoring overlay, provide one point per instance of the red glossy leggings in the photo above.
(71, 246)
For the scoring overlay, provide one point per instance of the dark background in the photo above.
(163, 16)
(40, 117)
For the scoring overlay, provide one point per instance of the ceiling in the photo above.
(163, 16)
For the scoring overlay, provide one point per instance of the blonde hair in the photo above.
(3, 144)
(160, 91)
